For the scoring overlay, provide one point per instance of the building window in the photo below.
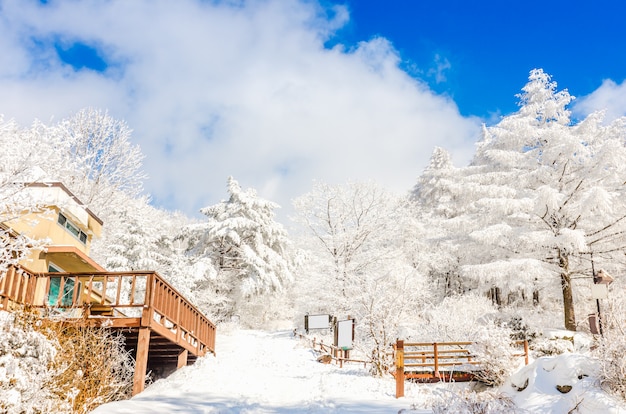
(72, 228)
(61, 297)
(52, 268)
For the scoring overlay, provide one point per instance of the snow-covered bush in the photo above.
(543, 346)
(92, 366)
(26, 357)
(55, 367)
(468, 402)
(496, 354)
(611, 347)
(613, 366)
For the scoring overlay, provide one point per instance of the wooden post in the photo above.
(399, 368)
(178, 319)
(141, 360)
(436, 354)
(182, 359)
(196, 332)
(4, 293)
(526, 351)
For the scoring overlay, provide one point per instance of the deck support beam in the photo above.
(141, 360)
(182, 359)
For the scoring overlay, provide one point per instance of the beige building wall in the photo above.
(66, 251)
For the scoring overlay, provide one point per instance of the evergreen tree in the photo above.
(542, 195)
(249, 251)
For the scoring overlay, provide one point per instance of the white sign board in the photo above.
(344, 334)
(317, 322)
(599, 291)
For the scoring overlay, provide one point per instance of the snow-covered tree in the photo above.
(542, 195)
(245, 252)
(138, 238)
(438, 209)
(572, 178)
(102, 160)
(356, 237)
(18, 166)
(348, 228)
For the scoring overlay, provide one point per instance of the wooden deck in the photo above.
(163, 330)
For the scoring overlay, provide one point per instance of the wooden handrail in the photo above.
(120, 291)
(336, 354)
(439, 357)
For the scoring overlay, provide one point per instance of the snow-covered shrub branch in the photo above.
(26, 368)
(611, 347)
(55, 366)
(468, 402)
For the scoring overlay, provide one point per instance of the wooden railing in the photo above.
(338, 355)
(430, 357)
(15, 287)
(141, 299)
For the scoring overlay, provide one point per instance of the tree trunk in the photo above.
(535, 297)
(568, 302)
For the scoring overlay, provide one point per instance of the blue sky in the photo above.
(279, 93)
(487, 47)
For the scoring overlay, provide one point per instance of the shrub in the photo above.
(495, 351)
(469, 402)
(611, 348)
(551, 346)
(92, 366)
(56, 366)
(25, 360)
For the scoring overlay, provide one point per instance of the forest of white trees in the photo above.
(507, 244)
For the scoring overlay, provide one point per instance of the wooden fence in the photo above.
(431, 362)
(337, 355)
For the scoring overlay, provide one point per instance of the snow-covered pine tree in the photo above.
(139, 237)
(572, 179)
(437, 249)
(249, 251)
(542, 194)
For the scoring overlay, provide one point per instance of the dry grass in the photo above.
(91, 366)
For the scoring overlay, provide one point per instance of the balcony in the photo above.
(163, 330)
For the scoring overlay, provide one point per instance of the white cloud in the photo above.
(609, 97)
(247, 89)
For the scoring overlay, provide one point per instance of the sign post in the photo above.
(599, 290)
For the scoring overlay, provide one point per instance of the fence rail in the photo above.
(431, 356)
(142, 299)
(338, 355)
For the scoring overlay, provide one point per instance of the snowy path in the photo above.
(259, 372)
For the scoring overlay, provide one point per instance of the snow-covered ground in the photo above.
(261, 372)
